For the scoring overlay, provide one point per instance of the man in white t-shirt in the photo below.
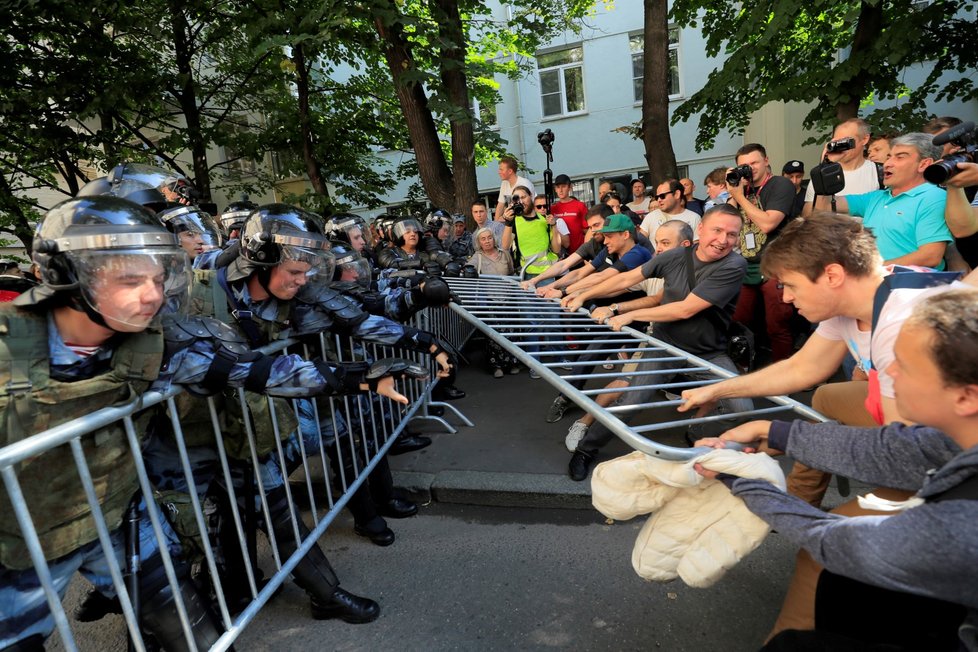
(507, 174)
(671, 200)
(861, 174)
(831, 270)
(641, 203)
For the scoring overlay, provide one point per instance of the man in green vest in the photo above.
(530, 233)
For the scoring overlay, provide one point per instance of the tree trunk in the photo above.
(313, 166)
(21, 224)
(868, 28)
(655, 93)
(187, 99)
(432, 166)
(452, 71)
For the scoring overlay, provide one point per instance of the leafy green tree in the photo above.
(840, 55)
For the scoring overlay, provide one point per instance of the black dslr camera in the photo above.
(841, 145)
(738, 173)
(517, 206)
(963, 136)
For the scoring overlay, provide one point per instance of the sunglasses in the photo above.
(663, 195)
(539, 205)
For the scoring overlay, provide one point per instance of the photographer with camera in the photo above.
(907, 217)
(959, 174)
(847, 149)
(765, 201)
(531, 232)
(510, 180)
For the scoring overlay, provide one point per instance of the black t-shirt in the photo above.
(589, 250)
(717, 282)
(776, 194)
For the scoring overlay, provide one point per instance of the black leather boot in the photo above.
(313, 574)
(160, 617)
(347, 607)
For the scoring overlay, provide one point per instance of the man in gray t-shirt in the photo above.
(693, 320)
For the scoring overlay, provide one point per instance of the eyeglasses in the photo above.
(663, 195)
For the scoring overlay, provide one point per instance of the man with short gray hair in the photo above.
(907, 216)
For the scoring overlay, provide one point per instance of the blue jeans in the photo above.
(24, 610)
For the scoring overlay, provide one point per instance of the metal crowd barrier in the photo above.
(554, 343)
(372, 425)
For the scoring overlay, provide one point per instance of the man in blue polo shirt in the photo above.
(907, 216)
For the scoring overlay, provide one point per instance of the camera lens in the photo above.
(939, 173)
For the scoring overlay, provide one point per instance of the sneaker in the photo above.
(497, 373)
(513, 371)
(580, 466)
(564, 365)
(574, 436)
(557, 409)
(534, 374)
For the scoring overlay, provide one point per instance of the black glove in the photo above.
(396, 368)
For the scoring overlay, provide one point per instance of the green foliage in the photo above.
(804, 50)
(87, 86)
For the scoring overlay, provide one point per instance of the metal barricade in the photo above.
(564, 347)
(352, 435)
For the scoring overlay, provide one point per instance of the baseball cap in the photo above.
(562, 179)
(618, 223)
(458, 218)
(793, 166)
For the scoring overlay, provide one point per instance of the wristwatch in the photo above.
(613, 308)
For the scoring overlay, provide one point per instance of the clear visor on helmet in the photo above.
(234, 220)
(195, 229)
(309, 255)
(354, 269)
(129, 287)
(406, 226)
(358, 235)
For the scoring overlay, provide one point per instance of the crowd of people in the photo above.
(138, 288)
(856, 273)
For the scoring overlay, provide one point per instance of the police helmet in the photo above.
(278, 233)
(234, 216)
(148, 185)
(195, 229)
(94, 250)
(404, 226)
(349, 228)
(437, 218)
(350, 265)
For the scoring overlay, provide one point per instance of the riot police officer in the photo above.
(104, 325)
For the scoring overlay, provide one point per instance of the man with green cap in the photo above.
(620, 250)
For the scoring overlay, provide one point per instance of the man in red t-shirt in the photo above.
(572, 211)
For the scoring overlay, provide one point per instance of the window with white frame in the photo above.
(636, 45)
(562, 82)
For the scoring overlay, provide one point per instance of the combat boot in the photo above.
(160, 617)
(313, 574)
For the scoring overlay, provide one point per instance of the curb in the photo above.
(494, 489)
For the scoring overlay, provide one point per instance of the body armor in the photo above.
(32, 402)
